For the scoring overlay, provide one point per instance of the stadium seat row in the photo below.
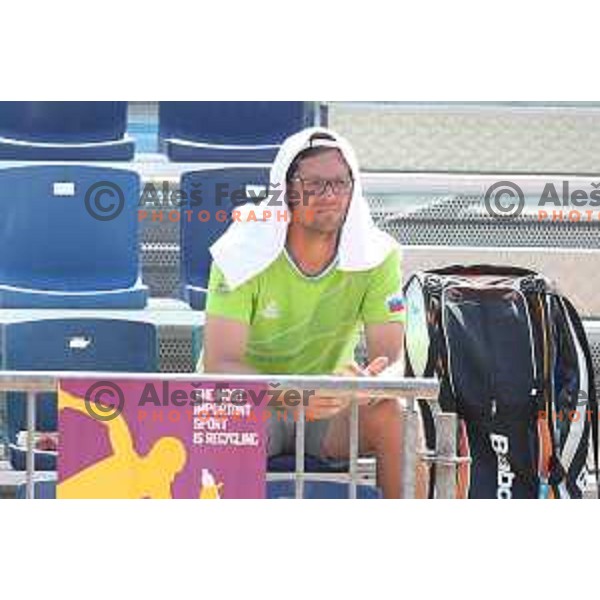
(69, 232)
(110, 345)
(188, 131)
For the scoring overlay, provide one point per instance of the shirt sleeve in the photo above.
(221, 301)
(384, 300)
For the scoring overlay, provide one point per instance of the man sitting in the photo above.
(289, 296)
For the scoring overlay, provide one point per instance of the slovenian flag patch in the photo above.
(395, 303)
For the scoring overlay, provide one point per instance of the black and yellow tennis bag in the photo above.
(514, 363)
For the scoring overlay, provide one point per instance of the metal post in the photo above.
(354, 424)
(30, 457)
(408, 462)
(300, 453)
(446, 458)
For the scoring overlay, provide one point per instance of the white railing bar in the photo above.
(300, 428)
(354, 442)
(408, 464)
(30, 456)
(342, 477)
(446, 463)
(40, 381)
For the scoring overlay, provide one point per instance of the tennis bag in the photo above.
(513, 362)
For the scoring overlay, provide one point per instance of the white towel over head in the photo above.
(248, 247)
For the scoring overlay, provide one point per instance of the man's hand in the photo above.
(373, 369)
(328, 402)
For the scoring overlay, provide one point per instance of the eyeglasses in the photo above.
(319, 186)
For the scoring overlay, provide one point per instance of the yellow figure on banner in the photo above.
(124, 474)
(210, 489)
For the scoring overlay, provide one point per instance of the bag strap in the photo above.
(434, 367)
(430, 441)
(592, 397)
(552, 469)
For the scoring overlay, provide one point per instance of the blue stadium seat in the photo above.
(320, 490)
(315, 489)
(35, 131)
(221, 190)
(230, 132)
(54, 253)
(286, 463)
(42, 490)
(68, 345)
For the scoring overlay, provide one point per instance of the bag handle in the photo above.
(481, 269)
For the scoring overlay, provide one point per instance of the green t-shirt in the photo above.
(308, 325)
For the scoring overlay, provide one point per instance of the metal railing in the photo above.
(410, 390)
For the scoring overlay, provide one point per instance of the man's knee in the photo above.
(382, 422)
(384, 412)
